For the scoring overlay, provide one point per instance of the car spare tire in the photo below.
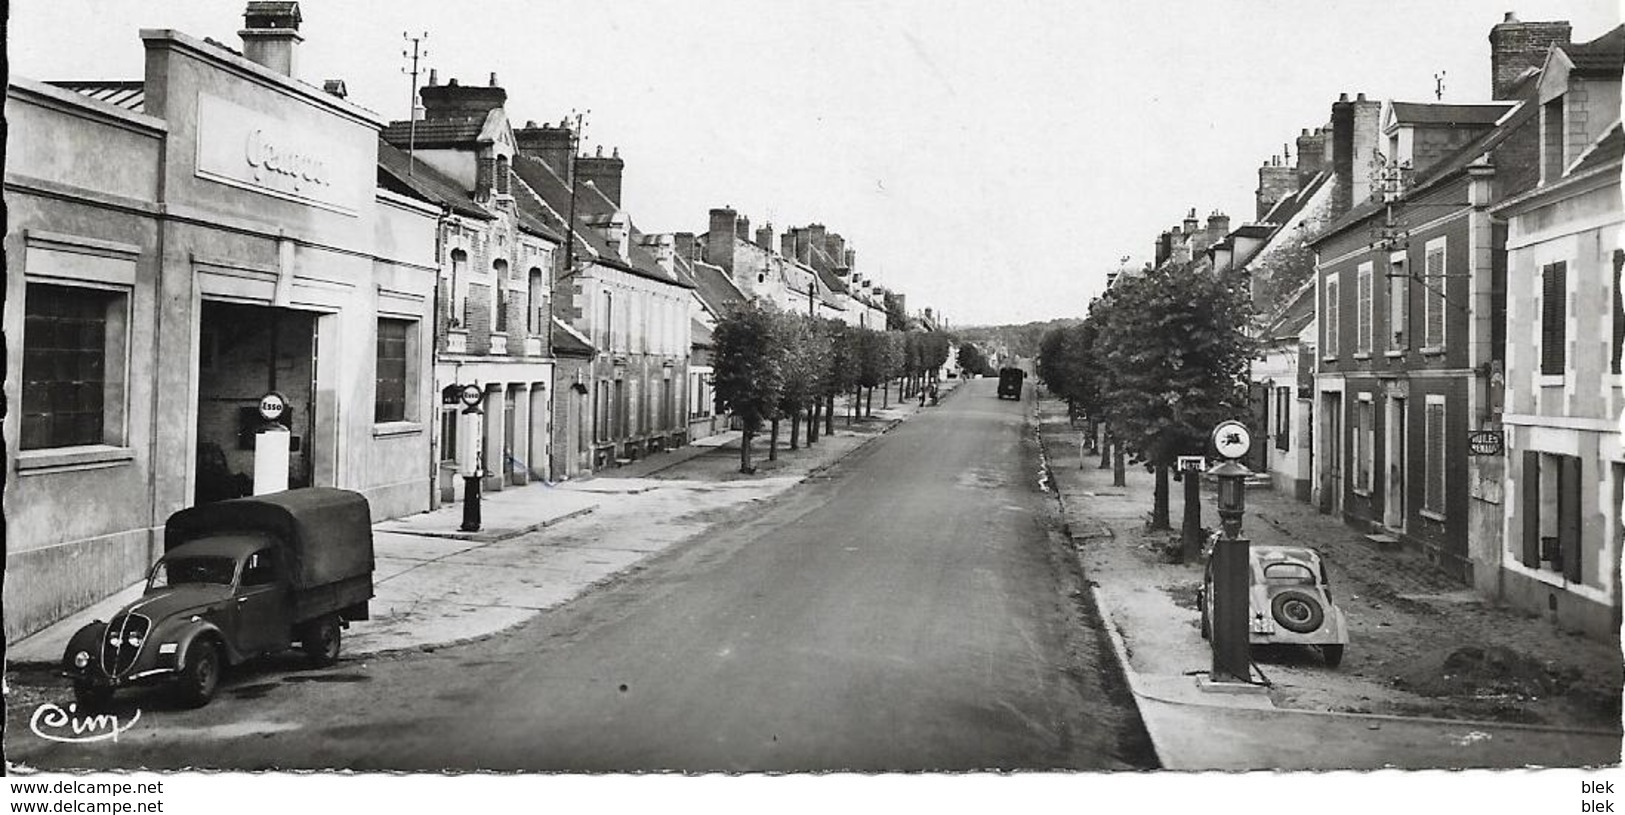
(1297, 611)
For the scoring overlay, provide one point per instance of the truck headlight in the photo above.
(168, 648)
(81, 659)
(134, 640)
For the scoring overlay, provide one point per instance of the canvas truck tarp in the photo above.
(327, 531)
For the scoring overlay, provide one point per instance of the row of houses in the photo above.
(182, 245)
(1440, 292)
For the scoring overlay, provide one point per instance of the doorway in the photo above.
(244, 352)
(1393, 508)
(1331, 484)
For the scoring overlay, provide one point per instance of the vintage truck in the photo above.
(238, 579)
(1010, 380)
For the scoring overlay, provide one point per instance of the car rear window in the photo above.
(1289, 574)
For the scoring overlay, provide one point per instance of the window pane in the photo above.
(64, 353)
(390, 392)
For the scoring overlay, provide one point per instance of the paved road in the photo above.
(913, 608)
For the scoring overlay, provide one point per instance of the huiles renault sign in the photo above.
(278, 157)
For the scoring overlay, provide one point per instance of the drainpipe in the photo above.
(434, 357)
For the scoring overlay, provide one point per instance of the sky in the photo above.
(991, 160)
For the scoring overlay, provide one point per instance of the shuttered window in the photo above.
(1553, 317)
(1331, 315)
(1399, 293)
(1362, 339)
(1433, 454)
(1283, 419)
(1434, 298)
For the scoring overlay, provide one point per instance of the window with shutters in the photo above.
(1553, 317)
(499, 296)
(1332, 304)
(1399, 311)
(1436, 284)
(1433, 458)
(1362, 311)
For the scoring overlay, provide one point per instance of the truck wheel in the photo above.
(91, 697)
(321, 640)
(201, 676)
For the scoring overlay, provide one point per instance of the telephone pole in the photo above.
(417, 53)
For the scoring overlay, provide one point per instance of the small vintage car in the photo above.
(1290, 602)
(238, 579)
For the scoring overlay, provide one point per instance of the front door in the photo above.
(262, 605)
(1393, 515)
(1331, 485)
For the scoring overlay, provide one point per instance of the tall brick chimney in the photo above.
(787, 242)
(271, 35)
(1516, 46)
(686, 246)
(719, 239)
(764, 236)
(742, 229)
(1275, 182)
(1355, 133)
(1218, 225)
(1311, 155)
(852, 261)
(603, 172)
(551, 144)
(454, 101)
(816, 235)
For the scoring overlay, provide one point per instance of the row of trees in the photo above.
(1160, 360)
(771, 366)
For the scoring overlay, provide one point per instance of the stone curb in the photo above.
(499, 535)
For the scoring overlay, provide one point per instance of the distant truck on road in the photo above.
(1010, 380)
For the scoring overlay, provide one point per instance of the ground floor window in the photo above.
(1552, 528)
(393, 397)
(1433, 451)
(1362, 438)
(1283, 419)
(74, 349)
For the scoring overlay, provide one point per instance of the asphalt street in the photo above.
(914, 607)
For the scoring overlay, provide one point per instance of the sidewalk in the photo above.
(540, 545)
(1313, 717)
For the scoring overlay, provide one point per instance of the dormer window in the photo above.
(1552, 132)
(503, 175)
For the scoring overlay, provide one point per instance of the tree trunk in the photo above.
(1119, 473)
(773, 442)
(812, 422)
(829, 415)
(1159, 499)
(744, 453)
(869, 407)
(795, 430)
(1191, 528)
(885, 394)
(1105, 448)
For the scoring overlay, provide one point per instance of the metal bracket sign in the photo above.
(1191, 464)
(1486, 442)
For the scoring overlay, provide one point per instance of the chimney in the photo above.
(835, 247)
(1516, 46)
(816, 235)
(686, 246)
(1311, 155)
(742, 229)
(664, 248)
(453, 101)
(1355, 134)
(336, 88)
(1191, 223)
(764, 236)
(604, 173)
(1164, 248)
(852, 260)
(271, 35)
(719, 240)
(1218, 225)
(787, 242)
(551, 145)
(1275, 182)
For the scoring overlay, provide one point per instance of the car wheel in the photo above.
(1333, 655)
(1297, 611)
(321, 640)
(201, 676)
(91, 697)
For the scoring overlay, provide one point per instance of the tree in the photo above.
(845, 362)
(749, 370)
(1173, 349)
(805, 355)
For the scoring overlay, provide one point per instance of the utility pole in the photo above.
(417, 53)
(570, 179)
(1438, 86)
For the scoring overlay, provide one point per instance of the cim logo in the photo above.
(266, 155)
(53, 723)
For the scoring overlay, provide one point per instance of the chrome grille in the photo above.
(118, 656)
